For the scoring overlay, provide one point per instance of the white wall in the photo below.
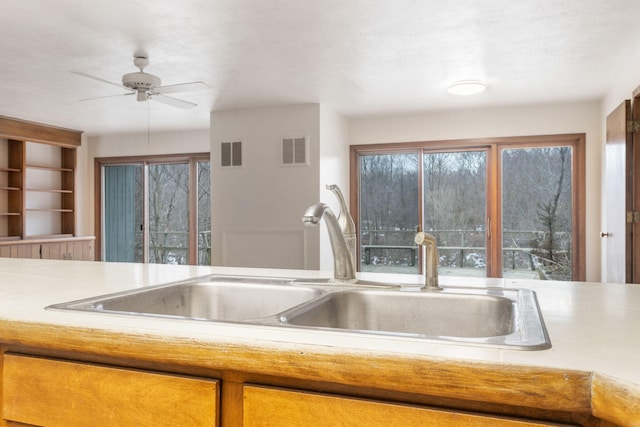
(583, 117)
(334, 169)
(117, 145)
(257, 208)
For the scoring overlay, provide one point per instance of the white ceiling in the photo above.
(361, 57)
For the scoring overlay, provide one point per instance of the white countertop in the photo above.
(593, 327)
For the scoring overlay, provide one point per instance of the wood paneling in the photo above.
(78, 248)
(52, 392)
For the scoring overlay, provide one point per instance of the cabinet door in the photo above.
(264, 407)
(53, 250)
(80, 250)
(20, 251)
(49, 392)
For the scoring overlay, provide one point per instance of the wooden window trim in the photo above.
(493, 146)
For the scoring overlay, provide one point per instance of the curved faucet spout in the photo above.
(342, 261)
(313, 214)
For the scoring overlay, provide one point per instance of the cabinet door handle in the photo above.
(604, 234)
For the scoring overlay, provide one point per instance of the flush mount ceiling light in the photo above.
(467, 87)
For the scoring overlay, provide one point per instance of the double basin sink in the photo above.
(494, 317)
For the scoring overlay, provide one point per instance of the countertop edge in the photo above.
(488, 382)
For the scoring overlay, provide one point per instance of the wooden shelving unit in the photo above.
(37, 181)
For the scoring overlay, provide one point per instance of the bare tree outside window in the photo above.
(501, 207)
(455, 209)
(169, 213)
(388, 212)
(151, 200)
(204, 213)
(537, 211)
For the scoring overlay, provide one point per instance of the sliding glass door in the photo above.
(156, 210)
(455, 209)
(389, 212)
(500, 207)
(537, 212)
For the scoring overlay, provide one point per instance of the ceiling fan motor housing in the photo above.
(141, 81)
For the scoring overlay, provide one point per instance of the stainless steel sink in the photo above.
(215, 298)
(498, 317)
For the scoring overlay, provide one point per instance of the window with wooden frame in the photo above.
(154, 209)
(498, 207)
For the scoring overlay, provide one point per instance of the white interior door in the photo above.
(616, 244)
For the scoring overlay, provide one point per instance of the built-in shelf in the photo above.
(37, 180)
(49, 168)
(49, 190)
(48, 210)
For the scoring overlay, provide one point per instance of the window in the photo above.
(154, 209)
(503, 207)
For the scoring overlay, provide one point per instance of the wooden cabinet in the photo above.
(264, 407)
(78, 248)
(37, 180)
(49, 392)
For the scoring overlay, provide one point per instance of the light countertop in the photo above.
(593, 327)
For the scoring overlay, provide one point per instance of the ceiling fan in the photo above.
(148, 86)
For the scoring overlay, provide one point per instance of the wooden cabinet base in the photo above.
(78, 248)
(265, 407)
(49, 392)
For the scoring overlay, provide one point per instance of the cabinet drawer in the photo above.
(50, 392)
(264, 407)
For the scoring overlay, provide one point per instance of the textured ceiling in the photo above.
(361, 57)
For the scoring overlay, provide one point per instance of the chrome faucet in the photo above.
(343, 267)
(431, 264)
(345, 221)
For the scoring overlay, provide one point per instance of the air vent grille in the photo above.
(231, 154)
(294, 151)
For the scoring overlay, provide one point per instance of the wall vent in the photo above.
(294, 151)
(231, 154)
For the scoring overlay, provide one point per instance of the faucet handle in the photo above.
(423, 238)
(431, 260)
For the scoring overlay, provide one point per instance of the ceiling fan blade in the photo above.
(89, 76)
(174, 102)
(106, 96)
(183, 87)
